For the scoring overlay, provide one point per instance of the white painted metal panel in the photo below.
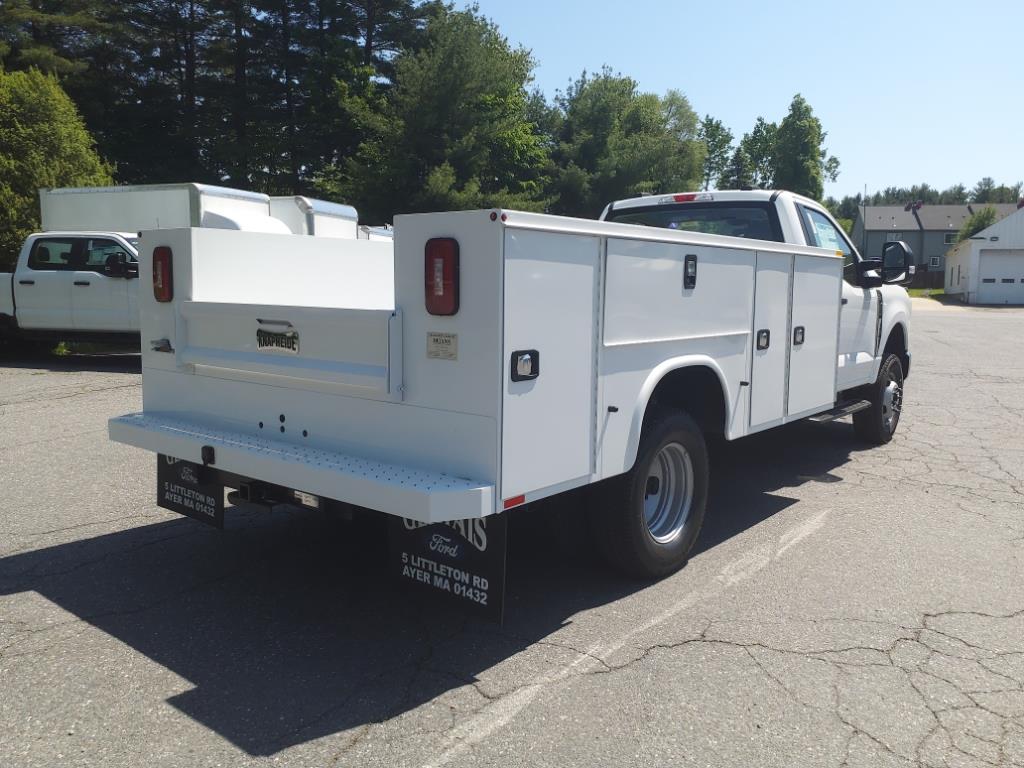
(351, 351)
(305, 216)
(100, 303)
(812, 373)
(147, 206)
(386, 486)
(258, 268)
(550, 299)
(460, 444)
(771, 313)
(858, 327)
(645, 300)
(1001, 276)
(43, 299)
(471, 380)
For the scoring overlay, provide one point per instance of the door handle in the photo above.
(26, 282)
(764, 338)
(82, 282)
(845, 302)
(798, 335)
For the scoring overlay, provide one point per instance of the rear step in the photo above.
(418, 494)
(845, 409)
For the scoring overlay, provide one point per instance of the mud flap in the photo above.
(186, 488)
(462, 561)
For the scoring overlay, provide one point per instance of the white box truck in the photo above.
(508, 357)
(75, 280)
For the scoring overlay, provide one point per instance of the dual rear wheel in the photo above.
(647, 520)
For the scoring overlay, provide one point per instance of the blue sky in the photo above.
(908, 91)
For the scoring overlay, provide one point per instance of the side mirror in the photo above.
(869, 273)
(132, 269)
(897, 263)
(116, 265)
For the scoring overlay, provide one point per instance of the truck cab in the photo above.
(75, 285)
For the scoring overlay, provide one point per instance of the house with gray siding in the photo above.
(929, 230)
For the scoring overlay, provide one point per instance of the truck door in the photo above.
(98, 302)
(42, 285)
(858, 324)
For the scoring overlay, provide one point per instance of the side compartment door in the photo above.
(814, 335)
(771, 330)
(42, 290)
(550, 341)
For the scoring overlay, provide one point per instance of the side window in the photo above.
(52, 254)
(824, 234)
(99, 252)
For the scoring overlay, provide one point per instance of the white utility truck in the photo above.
(504, 357)
(75, 280)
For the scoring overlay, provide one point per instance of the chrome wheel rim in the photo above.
(668, 493)
(892, 403)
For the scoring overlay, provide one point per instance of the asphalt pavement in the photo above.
(847, 606)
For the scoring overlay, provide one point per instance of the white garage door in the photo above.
(1001, 277)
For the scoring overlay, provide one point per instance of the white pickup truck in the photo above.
(76, 280)
(496, 357)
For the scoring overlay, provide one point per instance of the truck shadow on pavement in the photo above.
(107, 362)
(289, 629)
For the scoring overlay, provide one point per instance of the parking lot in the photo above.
(847, 606)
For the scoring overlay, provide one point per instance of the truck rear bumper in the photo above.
(428, 497)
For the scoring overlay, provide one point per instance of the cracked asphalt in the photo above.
(847, 606)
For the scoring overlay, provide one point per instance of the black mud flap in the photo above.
(186, 488)
(462, 561)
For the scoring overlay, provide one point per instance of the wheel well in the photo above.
(696, 390)
(897, 345)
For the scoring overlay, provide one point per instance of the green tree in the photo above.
(987, 191)
(976, 222)
(46, 35)
(740, 172)
(611, 142)
(759, 146)
(717, 140)
(801, 162)
(454, 131)
(43, 143)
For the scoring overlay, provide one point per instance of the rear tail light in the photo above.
(163, 282)
(441, 276)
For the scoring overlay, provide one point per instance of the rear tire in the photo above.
(647, 521)
(877, 424)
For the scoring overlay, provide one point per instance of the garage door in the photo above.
(1001, 277)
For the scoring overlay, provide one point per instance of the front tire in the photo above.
(877, 424)
(647, 520)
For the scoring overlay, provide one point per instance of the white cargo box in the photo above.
(305, 216)
(155, 206)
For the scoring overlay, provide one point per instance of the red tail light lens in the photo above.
(441, 276)
(163, 282)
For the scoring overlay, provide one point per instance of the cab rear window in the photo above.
(753, 221)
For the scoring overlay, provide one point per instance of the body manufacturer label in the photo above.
(277, 338)
(443, 346)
